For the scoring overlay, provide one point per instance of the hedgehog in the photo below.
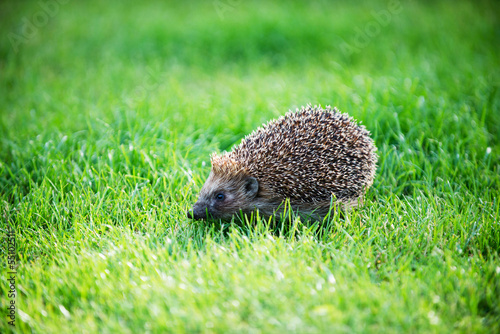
(312, 157)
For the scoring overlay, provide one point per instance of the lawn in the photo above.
(109, 111)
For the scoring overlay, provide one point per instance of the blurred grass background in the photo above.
(109, 112)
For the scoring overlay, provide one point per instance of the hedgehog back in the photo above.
(310, 154)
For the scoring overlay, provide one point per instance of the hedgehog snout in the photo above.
(199, 212)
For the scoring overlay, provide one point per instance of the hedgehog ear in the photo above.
(251, 186)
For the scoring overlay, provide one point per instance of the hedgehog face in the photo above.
(221, 198)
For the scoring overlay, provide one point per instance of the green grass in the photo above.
(109, 112)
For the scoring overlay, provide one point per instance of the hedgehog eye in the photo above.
(220, 196)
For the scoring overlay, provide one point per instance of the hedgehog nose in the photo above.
(197, 213)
